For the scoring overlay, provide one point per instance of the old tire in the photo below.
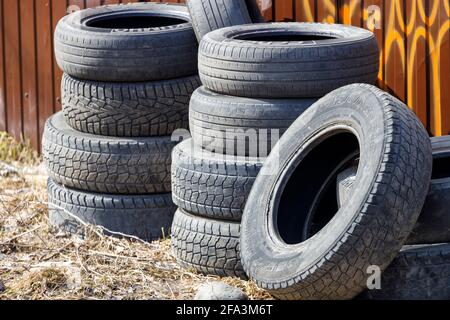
(136, 109)
(420, 272)
(134, 42)
(241, 126)
(102, 164)
(210, 15)
(148, 217)
(279, 60)
(208, 246)
(433, 225)
(279, 250)
(209, 184)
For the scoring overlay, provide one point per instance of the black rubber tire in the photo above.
(148, 217)
(241, 126)
(419, 272)
(208, 246)
(102, 164)
(369, 229)
(209, 15)
(433, 225)
(254, 11)
(291, 69)
(130, 54)
(209, 184)
(136, 109)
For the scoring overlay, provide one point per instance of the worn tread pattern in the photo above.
(156, 53)
(290, 69)
(241, 126)
(209, 15)
(388, 214)
(148, 217)
(420, 272)
(211, 185)
(209, 246)
(139, 109)
(106, 164)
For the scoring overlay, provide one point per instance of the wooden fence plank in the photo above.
(44, 50)
(29, 72)
(12, 66)
(283, 10)
(59, 10)
(306, 10)
(350, 12)
(373, 19)
(416, 33)
(3, 123)
(327, 11)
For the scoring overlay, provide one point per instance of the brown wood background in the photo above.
(414, 36)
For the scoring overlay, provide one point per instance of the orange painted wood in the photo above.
(3, 123)
(306, 10)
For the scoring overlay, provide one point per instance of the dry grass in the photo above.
(37, 262)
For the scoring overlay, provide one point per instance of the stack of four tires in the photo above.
(129, 72)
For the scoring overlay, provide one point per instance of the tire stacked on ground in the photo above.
(421, 270)
(129, 72)
(252, 92)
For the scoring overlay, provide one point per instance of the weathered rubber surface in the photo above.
(209, 246)
(148, 217)
(106, 164)
(209, 15)
(370, 229)
(241, 126)
(211, 185)
(133, 109)
(290, 69)
(420, 272)
(433, 225)
(124, 54)
(254, 11)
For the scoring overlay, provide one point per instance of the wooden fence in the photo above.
(413, 34)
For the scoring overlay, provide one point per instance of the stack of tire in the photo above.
(129, 72)
(257, 79)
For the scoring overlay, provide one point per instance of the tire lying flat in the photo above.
(102, 164)
(148, 217)
(433, 226)
(420, 272)
(279, 60)
(209, 15)
(279, 249)
(136, 109)
(241, 126)
(209, 184)
(133, 42)
(206, 245)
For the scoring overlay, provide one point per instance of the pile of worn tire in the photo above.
(129, 72)
(334, 212)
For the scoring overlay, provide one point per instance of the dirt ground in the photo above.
(38, 262)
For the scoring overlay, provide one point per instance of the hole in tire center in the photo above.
(441, 166)
(283, 36)
(308, 201)
(134, 21)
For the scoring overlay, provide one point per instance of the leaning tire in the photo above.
(136, 109)
(280, 251)
(419, 272)
(208, 246)
(241, 126)
(106, 164)
(433, 225)
(148, 217)
(259, 61)
(209, 184)
(111, 43)
(209, 15)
